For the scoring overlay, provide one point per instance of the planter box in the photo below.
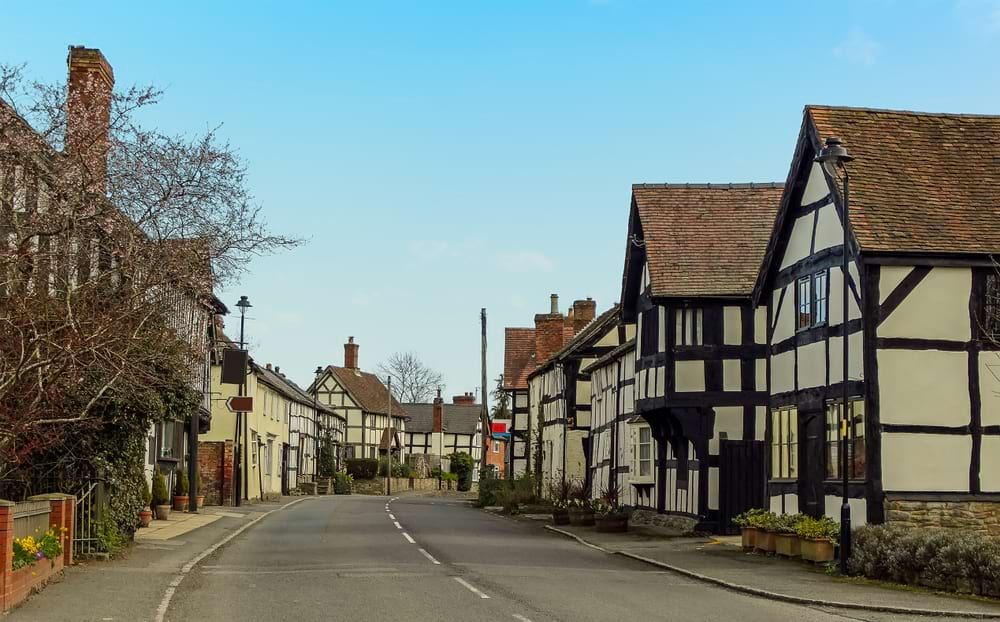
(764, 541)
(787, 545)
(581, 518)
(560, 517)
(612, 523)
(31, 579)
(749, 537)
(817, 551)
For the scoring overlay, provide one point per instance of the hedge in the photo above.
(942, 559)
(461, 465)
(362, 468)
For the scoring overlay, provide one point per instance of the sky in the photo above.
(442, 157)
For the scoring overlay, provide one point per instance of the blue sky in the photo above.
(440, 157)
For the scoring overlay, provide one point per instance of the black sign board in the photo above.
(234, 366)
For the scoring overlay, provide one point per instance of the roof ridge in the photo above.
(753, 185)
(914, 113)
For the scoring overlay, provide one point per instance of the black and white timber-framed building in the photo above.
(691, 260)
(922, 324)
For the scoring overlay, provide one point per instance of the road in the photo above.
(427, 559)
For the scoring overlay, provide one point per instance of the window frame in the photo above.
(689, 326)
(784, 443)
(640, 445)
(832, 440)
(812, 300)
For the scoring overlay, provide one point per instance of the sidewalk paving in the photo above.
(177, 524)
(722, 561)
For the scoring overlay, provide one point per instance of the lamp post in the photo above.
(243, 304)
(834, 158)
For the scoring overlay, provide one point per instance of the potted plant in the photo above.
(749, 523)
(181, 491)
(145, 514)
(560, 512)
(766, 528)
(817, 537)
(161, 499)
(581, 513)
(609, 515)
(559, 491)
(786, 540)
(198, 489)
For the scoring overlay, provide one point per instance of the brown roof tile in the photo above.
(518, 357)
(367, 390)
(921, 182)
(705, 239)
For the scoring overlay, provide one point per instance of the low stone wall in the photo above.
(649, 518)
(400, 484)
(981, 517)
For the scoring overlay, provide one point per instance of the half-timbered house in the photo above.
(692, 257)
(376, 422)
(518, 361)
(559, 398)
(924, 410)
(621, 445)
(438, 429)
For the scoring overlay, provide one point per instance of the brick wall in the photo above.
(982, 517)
(215, 463)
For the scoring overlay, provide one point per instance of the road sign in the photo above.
(240, 404)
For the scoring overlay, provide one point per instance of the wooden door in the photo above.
(741, 480)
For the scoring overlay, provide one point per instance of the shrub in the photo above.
(461, 465)
(401, 470)
(181, 486)
(160, 495)
(524, 489)
(342, 484)
(822, 528)
(489, 485)
(327, 461)
(753, 518)
(942, 559)
(362, 468)
(147, 496)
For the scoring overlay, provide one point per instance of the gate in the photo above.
(741, 480)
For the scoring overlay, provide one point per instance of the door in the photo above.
(284, 469)
(741, 480)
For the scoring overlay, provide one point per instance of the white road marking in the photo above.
(408, 538)
(430, 557)
(168, 594)
(396, 523)
(470, 587)
(520, 617)
(391, 517)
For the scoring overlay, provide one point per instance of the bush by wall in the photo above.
(342, 483)
(362, 468)
(461, 465)
(941, 559)
(489, 486)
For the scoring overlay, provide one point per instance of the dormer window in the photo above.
(812, 296)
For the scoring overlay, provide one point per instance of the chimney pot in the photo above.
(554, 303)
(268, 367)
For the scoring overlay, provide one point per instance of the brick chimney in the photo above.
(466, 399)
(583, 313)
(88, 115)
(438, 424)
(350, 354)
(269, 368)
(548, 332)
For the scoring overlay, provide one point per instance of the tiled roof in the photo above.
(705, 239)
(628, 346)
(921, 182)
(518, 357)
(458, 418)
(367, 390)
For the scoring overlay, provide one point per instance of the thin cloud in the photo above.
(857, 48)
(523, 261)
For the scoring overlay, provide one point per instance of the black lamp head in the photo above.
(244, 303)
(833, 154)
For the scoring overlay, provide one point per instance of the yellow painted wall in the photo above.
(907, 463)
(938, 308)
(928, 387)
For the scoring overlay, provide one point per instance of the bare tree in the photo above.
(112, 236)
(412, 381)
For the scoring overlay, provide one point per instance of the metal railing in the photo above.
(91, 503)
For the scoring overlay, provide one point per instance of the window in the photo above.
(991, 307)
(167, 439)
(496, 447)
(857, 458)
(690, 327)
(645, 451)
(650, 324)
(268, 456)
(812, 299)
(253, 448)
(784, 442)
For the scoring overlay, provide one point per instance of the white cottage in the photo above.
(924, 393)
(438, 429)
(692, 257)
(621, 445)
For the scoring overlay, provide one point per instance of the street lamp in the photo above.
(243, 304)
(834, 158)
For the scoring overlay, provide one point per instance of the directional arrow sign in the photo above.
(240, 404)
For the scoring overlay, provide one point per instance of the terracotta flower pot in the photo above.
(581, 518)
(819, 551)
(201, 501)
(560, 516)
(749, 537)
(764, 541)
(787, 545)
(612, 523)
(180, 503)
(145, 518)
(162, 512)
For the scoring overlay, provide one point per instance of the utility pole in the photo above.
(238, 457)
(392, 430)
(484, 413)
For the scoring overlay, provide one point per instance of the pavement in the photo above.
(413, 558)
(178, 524)
(723, 562)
